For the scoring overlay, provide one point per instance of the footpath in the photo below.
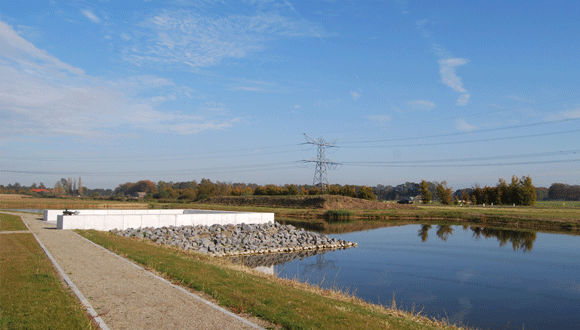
(126, 296)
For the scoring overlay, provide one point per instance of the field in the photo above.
(31, 293)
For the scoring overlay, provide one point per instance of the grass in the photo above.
(332, 216)
(289, 304)
(31, 293)
(9, 222)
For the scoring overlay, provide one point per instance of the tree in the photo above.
(444, 193)
(527, 192)
(425, 193)
(365, 192)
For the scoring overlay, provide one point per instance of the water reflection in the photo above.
(520, 240)
(267, 260)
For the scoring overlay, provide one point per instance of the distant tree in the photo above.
(291, 190)
(503, 191)
(348, 191)
(365, 192)
(444, 193)
(527, 192)
(314, 191)
(425, 193)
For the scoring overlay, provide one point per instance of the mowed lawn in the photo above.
(31, 293)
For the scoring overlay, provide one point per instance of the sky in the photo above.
(242, 91)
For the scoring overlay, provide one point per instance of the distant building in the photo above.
(141, 195)
(38, 190)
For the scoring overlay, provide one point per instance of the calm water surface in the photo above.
(475, 276)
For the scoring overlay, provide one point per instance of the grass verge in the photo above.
(9, 222)
(290, 304)
(31, 293)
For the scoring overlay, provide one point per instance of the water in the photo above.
(482, 277)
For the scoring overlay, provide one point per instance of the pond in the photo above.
(481, 277)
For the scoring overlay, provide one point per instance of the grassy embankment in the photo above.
(290, 304)
(309, 210)
(31, 293)
(544, 216)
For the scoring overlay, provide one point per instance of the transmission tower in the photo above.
(322, 164)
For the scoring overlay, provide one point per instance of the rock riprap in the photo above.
(232, 240)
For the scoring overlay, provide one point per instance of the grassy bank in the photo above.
(31, 293)
(10, 222)
(290, 304)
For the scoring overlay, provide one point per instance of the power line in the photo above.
(539, 154)
(464, 133)
(211, 170)
(471, 165)
(465, 141)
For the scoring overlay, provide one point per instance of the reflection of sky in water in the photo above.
(454, 274)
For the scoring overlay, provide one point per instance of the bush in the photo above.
(337, 216)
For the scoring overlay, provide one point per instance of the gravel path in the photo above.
(125, 296)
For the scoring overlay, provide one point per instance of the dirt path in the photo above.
(126, 296)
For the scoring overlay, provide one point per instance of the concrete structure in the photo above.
(123, 219)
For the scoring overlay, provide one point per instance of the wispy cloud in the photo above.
(421, 104)
(447, 64)
(379, 119)
(92, 17)
(356, 94)
(40, 95)
(568, 114)
(462, 125)
(186, 37)
(450, 78)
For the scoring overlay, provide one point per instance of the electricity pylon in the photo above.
(322, 164)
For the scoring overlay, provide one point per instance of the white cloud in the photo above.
(92, 17)
(16, 49)
(356, 94)
(448, 75)
(463, 126)
(463, 99)
(42, 96)
(186, 37)
(422, 104)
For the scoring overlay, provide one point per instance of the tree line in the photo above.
(518, 191)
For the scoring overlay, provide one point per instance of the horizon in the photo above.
(179, 91)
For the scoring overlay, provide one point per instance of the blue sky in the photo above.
(118, 91)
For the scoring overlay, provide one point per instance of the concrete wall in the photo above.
(51, 215)
(141, 220)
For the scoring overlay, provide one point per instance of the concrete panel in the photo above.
(72, 221)
(113, 222)
(180, 219)
(229, 218)
(150, 221)
(131, 221)
(96, 222)
(242, 218)
(164, 220)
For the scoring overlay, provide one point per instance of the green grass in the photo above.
(290, 304)
(9, 222)
(337, 216)
(31, 293)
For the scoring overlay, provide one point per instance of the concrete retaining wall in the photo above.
(157, 220)
(51, 215)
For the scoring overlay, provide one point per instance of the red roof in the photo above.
(39, 190)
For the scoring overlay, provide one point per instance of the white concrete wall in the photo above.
(51, 215)
(124, 221)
